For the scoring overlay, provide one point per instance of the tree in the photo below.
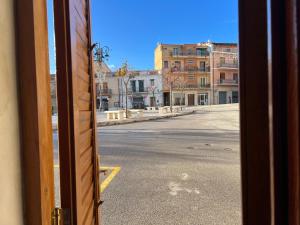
(181, 86)
(170, 81)
(126, 76)
(152, 89)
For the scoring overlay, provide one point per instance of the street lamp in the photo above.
(100, 53)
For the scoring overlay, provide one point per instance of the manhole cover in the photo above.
(207, 144)
(227, 149)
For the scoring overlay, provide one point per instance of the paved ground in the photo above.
(183, 170)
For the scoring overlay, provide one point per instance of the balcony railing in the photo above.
(105, 91)
(190, 69)
(137, 90)
(191, 86)
(228, 65)
(228, 82)
(189, 54)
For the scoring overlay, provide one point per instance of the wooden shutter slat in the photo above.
(82, 65)
(85, 140)
(86, 159)
(83, 86)
(84, 116)
(87, 183)
(88, 216)
(84, 105)
(82, 74)
(84, 125)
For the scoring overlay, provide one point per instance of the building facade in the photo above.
(53, 93)
(144, 90)
(198, 74)
(225, 73)
(107, 88)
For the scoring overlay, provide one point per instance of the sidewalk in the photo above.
(102, 122)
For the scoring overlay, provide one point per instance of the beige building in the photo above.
(200, 74)
(107, 86)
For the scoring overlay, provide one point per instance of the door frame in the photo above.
(35, 111)
(268, 170)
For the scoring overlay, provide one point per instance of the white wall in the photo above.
(10, 169)
(147, 94)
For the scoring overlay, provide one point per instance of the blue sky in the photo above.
(132, 28)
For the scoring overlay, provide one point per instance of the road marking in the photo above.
(108, 179)
(106, 182)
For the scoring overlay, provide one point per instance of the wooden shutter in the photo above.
(76, 110)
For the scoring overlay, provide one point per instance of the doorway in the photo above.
(191, 99)
(222, 97)
(152, 102)
(203, 99)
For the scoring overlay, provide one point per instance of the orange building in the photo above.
(198, 74)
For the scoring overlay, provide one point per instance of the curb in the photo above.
(136, 120)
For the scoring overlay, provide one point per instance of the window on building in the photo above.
(222, 78)
(190, 51)
(141, 86)
(177, 65)
(190, 61)
(152, 82)
(203, 81)
(202, 66)
(179, 98)
(166, 64)
(133, 85)
(222, 60)
(201, 51)
(236, 77)
(235, 61)
(105, 85)
(227, 50)
(175, 51)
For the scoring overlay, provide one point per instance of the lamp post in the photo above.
(100, 54)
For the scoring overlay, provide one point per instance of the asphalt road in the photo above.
(183, 170)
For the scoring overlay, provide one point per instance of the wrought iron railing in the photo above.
(228, 82)
(227, 65)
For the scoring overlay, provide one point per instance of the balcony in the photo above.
(227, 82)
(228, 65)
(137, 90)
(189, 54)
(204, 85)
(190, 69)
(190, 86)
(105, 91)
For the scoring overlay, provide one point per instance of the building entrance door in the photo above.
(203, 99)
(191, 99)
(222, 97)
(235, 97)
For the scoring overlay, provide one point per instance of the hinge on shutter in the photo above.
(60, 217)
(57, 216)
